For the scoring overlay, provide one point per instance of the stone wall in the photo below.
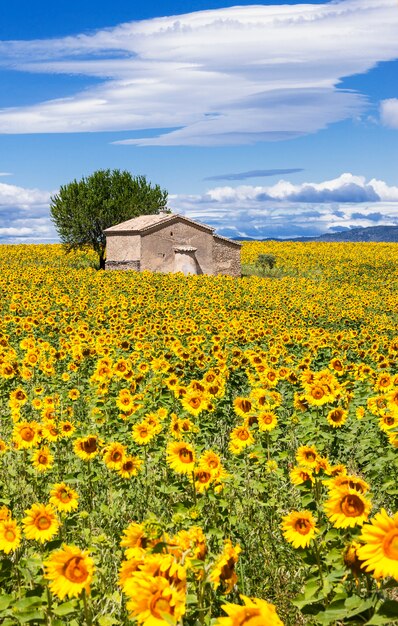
(123, 265)
(157, 247)
(123, 247)
(226, 258)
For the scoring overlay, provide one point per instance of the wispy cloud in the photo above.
(5, 174)
(229, 76)
(254, 174)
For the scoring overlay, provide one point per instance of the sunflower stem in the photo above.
(50, 607)
(87, 612)
(194, 489)
(318, 561)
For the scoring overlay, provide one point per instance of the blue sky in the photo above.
(274, 119)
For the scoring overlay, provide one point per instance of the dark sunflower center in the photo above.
(75, 570)
(90, 445)
(302, 526)
(185, 456)
(43, 522)
(352, 506)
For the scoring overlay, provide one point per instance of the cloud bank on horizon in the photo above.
(280, 210)
(266, 73)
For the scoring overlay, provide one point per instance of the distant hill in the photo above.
(386, 234)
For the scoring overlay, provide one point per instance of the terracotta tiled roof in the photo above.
(144, 223)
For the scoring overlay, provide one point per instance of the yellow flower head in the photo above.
(300, 475)
(143, 433)
(337, 417)
(307, 456)
(42, 459)
(181, 457)
(115, 454)
(299, 528)
(267, 421)
(64, 498)
(10, 535)
(347, 507)
(69, 571)
(241, 437)
(152, 597)
(86, 448)
(41, 522)
(223, 571)
(255, 612)
(25, 434)
(380, 552)
(129, 467)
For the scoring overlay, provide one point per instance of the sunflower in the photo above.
(138, 538)
(194, 402)
(267, 421)
(353, 482)
(114, 456)
(300, 475)
(299, 528)
(42, 459)
(380, 552)
(129, 467)
(347, 507)
(241, 437)
(203, 479)
(3, 446)
(66, 429)
(255, 612)
(243, 406)
(5, 513)
(337, 417)
(211, 462)
(86, 448)
(41, 522)
(317, 395)
(307, 455)
(25, 434)
(152, 598)
(388, 421)
(70, 571)
(64, 498)
(143, 433)
(181, 457)
(10, 535)
(223, 571)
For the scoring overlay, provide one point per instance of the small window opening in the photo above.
(171, 233)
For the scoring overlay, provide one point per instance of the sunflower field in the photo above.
(200, 450)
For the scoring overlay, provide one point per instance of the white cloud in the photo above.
(24, 215)
(227, 76)
(389, 112)
(280, 210)
(5, 174)
(287, 210)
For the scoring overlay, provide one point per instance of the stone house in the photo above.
(168, 242)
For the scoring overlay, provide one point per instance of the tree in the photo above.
(82, 210)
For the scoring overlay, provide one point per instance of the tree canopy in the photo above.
(83, 209)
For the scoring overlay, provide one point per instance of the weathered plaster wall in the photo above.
(226, 258)
(123, 265)
(123, 247)
(157, 247)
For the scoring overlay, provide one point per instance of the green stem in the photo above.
(49, 610)
(87, 613)
(318, 561)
